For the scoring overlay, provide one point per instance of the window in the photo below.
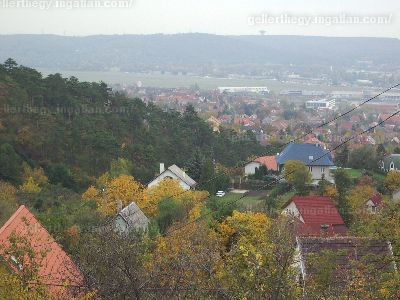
(392, 166)
(310, 169)
(322, 169)
(16, 262)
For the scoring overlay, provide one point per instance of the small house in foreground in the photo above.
(315, 216)
(374, 203)
(174, 172)
(131, 218)
(346, 253)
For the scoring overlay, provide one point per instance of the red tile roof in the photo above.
(317, 211)
(56, 267)
(244, 121)
(377, 199)
(393, 120)
(346, 125)
(269, 162)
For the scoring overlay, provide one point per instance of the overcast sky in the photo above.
(208, 16)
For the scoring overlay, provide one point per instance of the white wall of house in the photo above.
(371, 206)
(120, 224)
(169, 174)
(250, 168)
(291, 210)
(317, 171)
(396, 196)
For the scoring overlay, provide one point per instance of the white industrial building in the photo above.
(323, 103)
(244, 89)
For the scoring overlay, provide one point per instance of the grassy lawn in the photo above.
(353, 173)
(247, 203)
(356, 173)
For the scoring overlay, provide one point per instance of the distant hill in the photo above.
(139, 52)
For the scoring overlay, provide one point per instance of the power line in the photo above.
(344, 114)
(282, 176)
(311, 131)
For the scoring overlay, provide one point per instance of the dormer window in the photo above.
(311, 157)
(16, 262)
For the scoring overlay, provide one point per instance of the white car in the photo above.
(220, 194)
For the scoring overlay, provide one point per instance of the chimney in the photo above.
(324, 229)
(162, 167)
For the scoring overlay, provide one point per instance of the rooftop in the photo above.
(309, 154)
(56, 267)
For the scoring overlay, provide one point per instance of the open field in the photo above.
(174, 81)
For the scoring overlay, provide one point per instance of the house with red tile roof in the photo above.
(56, 269)
(316, 216)
(280, 124)
(244, 121)
(312, 139)
(346, 126)
(268, 161)
(349, 253)
(395, 120)
(374, 203)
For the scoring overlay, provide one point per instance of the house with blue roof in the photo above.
(318, 160)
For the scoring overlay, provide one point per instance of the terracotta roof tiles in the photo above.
(56, 267)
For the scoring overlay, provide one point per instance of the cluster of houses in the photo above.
(318, 160)
(316, 221)
(56, 269)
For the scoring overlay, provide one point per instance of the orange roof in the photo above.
(269, 162)
(56, 267)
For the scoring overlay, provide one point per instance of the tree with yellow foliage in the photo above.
(185, 263)
(30, 186)
(37, 175)
(34, 179)
(170, 188)
(331, 192)
(258, 257)
(8, 201)
(117, 193)
(247, 225)
(12, 287)
(358, 197)
(392, 181)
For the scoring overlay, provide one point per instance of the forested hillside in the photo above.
(74, 130)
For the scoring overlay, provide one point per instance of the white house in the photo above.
(251, 167)
(174, 172)
(268, 161)
(318, 160)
